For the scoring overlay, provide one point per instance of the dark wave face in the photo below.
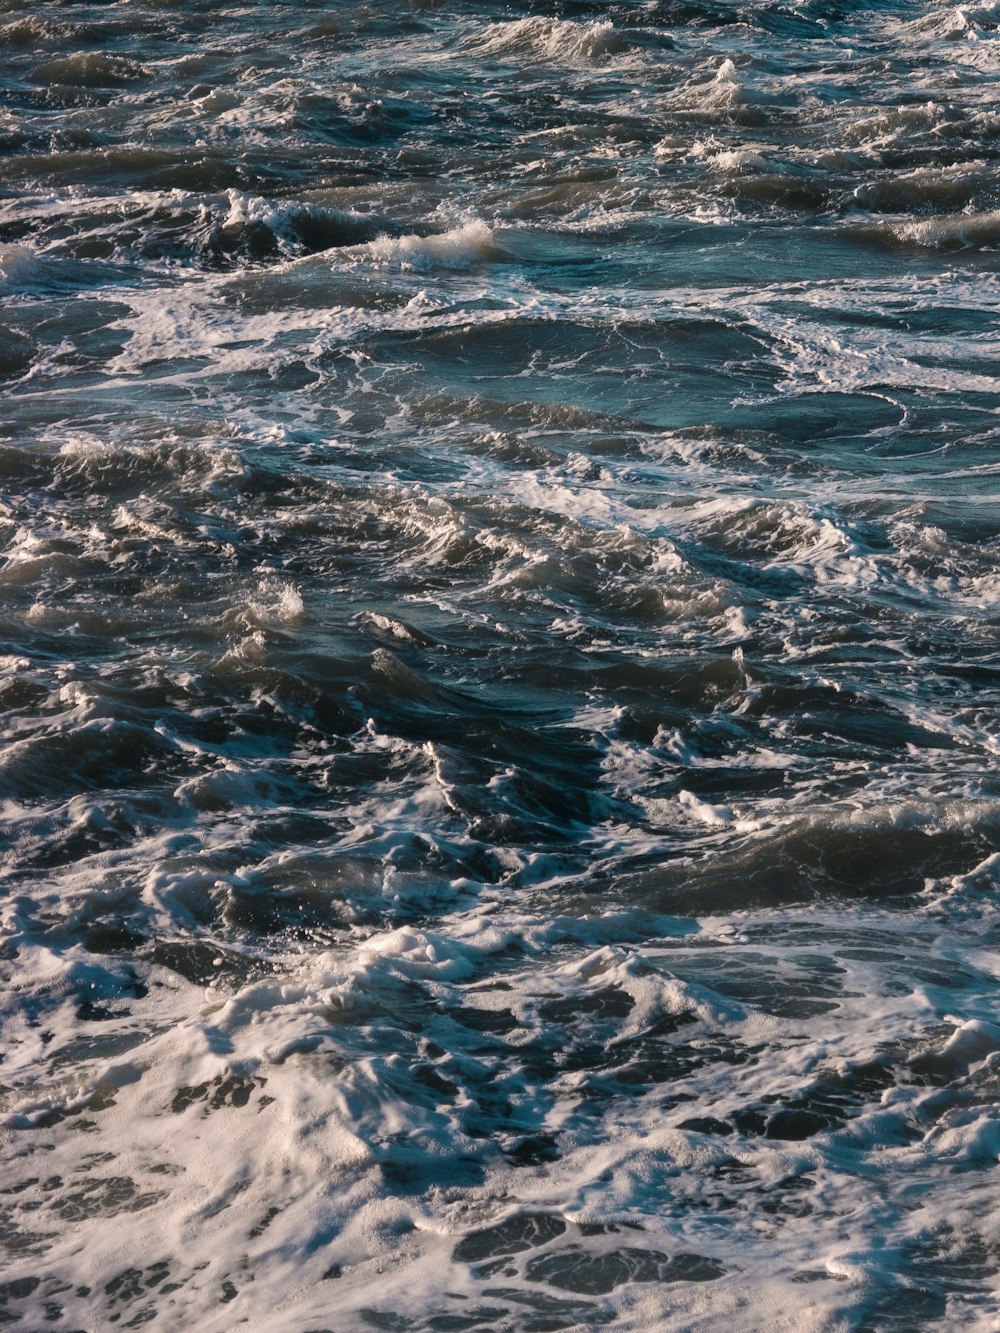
(501, 659)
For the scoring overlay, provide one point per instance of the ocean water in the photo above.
(500, 630)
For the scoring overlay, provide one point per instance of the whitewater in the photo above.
(500, 666)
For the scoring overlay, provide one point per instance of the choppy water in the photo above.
(502, 653)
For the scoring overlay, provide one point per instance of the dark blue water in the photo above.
(501, 662)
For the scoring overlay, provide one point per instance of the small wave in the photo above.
(25, 32)
(896, 124)
(272, 603)
(954, 24)
(558, 39)
(256, 228)
(729, 161)
(945, 187)
(784, 533)
(90, 69)
(725, 96)
(472, 242)
(954, 231)
(16, 264)
(89, 463)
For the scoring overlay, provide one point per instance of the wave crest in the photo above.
(559, 39)
(472, 242)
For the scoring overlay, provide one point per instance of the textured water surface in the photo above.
(501, 657)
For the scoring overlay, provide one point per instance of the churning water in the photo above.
(501, 643)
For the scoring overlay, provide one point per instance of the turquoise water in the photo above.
(500, 666)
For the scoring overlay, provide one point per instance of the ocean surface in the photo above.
(500, 629)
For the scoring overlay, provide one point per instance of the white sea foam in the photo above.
(282, 1057)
